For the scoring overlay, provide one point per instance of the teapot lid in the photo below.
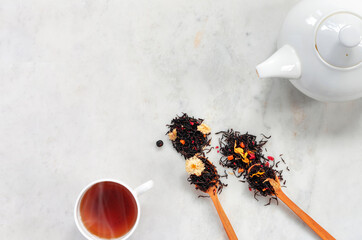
(338, 40)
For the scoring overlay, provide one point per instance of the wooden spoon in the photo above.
(212, 191)
(300, 213)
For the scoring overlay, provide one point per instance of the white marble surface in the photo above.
(86, 90)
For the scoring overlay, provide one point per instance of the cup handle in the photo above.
(143, 188)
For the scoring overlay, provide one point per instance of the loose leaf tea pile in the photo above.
(189, 137)
(240, 151)
(256, 177)
(244, 155)
(208, 178)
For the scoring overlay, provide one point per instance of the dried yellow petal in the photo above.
(204, 128)
(241, 152)
(258, 174)
(173, 135)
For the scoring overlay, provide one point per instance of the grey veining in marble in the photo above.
(86, 88)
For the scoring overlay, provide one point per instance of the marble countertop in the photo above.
(87, 88)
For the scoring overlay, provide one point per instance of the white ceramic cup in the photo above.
(135, 192)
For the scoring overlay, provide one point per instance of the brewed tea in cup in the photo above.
(108, 209)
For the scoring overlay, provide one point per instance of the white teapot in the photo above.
(320, 50)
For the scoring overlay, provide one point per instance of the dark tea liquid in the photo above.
(108, 210)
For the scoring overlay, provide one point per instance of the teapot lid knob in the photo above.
(350, 36)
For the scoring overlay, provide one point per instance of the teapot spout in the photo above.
(284, 63)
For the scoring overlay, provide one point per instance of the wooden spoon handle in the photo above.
(307, 219)
(224, 219)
